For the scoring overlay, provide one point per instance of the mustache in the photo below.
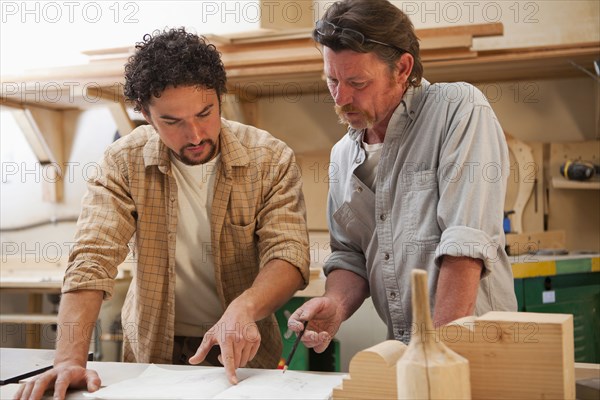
(347, 108)
(203, 141)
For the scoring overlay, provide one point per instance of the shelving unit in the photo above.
(263, 63)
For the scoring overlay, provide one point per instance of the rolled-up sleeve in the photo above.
(282, 229)
(104, 228)
(472, 179)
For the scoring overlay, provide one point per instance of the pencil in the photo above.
(289, 359)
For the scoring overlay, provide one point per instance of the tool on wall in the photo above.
(579, 170)
(506, 223)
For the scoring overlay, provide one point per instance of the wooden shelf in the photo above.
(533, 63)
(559, 182)
(271, 63)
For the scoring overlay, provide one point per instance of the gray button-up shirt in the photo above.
(440, 190)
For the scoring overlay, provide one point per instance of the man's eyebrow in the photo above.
(205, 109)
(166, 116)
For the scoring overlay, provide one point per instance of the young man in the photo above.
(420, 183)
(219, 221)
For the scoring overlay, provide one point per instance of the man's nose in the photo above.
(343, 95)
(194, 133)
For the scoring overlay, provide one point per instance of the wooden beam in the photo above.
(116, 105)
(43, 131)
(447, 42)
(4, 102)
(474, 30)
(34, 136)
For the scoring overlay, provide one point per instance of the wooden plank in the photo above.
(562, 183)
(541, 62)
(531, 242)
(587, 371)
(33, 319)
(373, 373)
(474, 30)
(30, 129)
(448, 54)
(446, 42)
(516, 355)
(116, 105)
(43, 130)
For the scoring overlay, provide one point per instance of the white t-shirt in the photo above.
(367, 171)
(197, 305)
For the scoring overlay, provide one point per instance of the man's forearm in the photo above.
(274, 285)
(76, 319)
(346, 289)
(457, 287)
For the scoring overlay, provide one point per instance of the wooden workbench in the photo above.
(113, 372)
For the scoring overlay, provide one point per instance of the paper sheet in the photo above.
(161, 383)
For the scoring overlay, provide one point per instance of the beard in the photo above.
(364, 120)
(211, 150)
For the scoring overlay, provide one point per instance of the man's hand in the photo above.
(78, 310)
(325, 318)
(238, 337)
(61, 377)
(345, 291)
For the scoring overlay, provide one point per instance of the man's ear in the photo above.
(404, 66)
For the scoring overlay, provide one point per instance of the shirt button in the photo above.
(393, 295)
(359, 189)
(382, 217)
(386, 256)
(357, 160)
(401, 332)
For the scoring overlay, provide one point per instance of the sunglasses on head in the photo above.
(327, 29)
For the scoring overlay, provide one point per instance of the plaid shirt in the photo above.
(258, 214)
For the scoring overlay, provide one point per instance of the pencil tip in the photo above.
(285, 367)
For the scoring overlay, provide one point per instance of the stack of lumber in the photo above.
(511, 356)
(274, 52)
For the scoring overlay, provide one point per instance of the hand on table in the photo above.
(61, 377)
(238, 337)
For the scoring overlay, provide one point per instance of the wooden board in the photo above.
(372, 373)
(474, 30)
(516, 355)
(524, 243)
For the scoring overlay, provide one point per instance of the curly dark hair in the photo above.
(172, 58)
(377, 20)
